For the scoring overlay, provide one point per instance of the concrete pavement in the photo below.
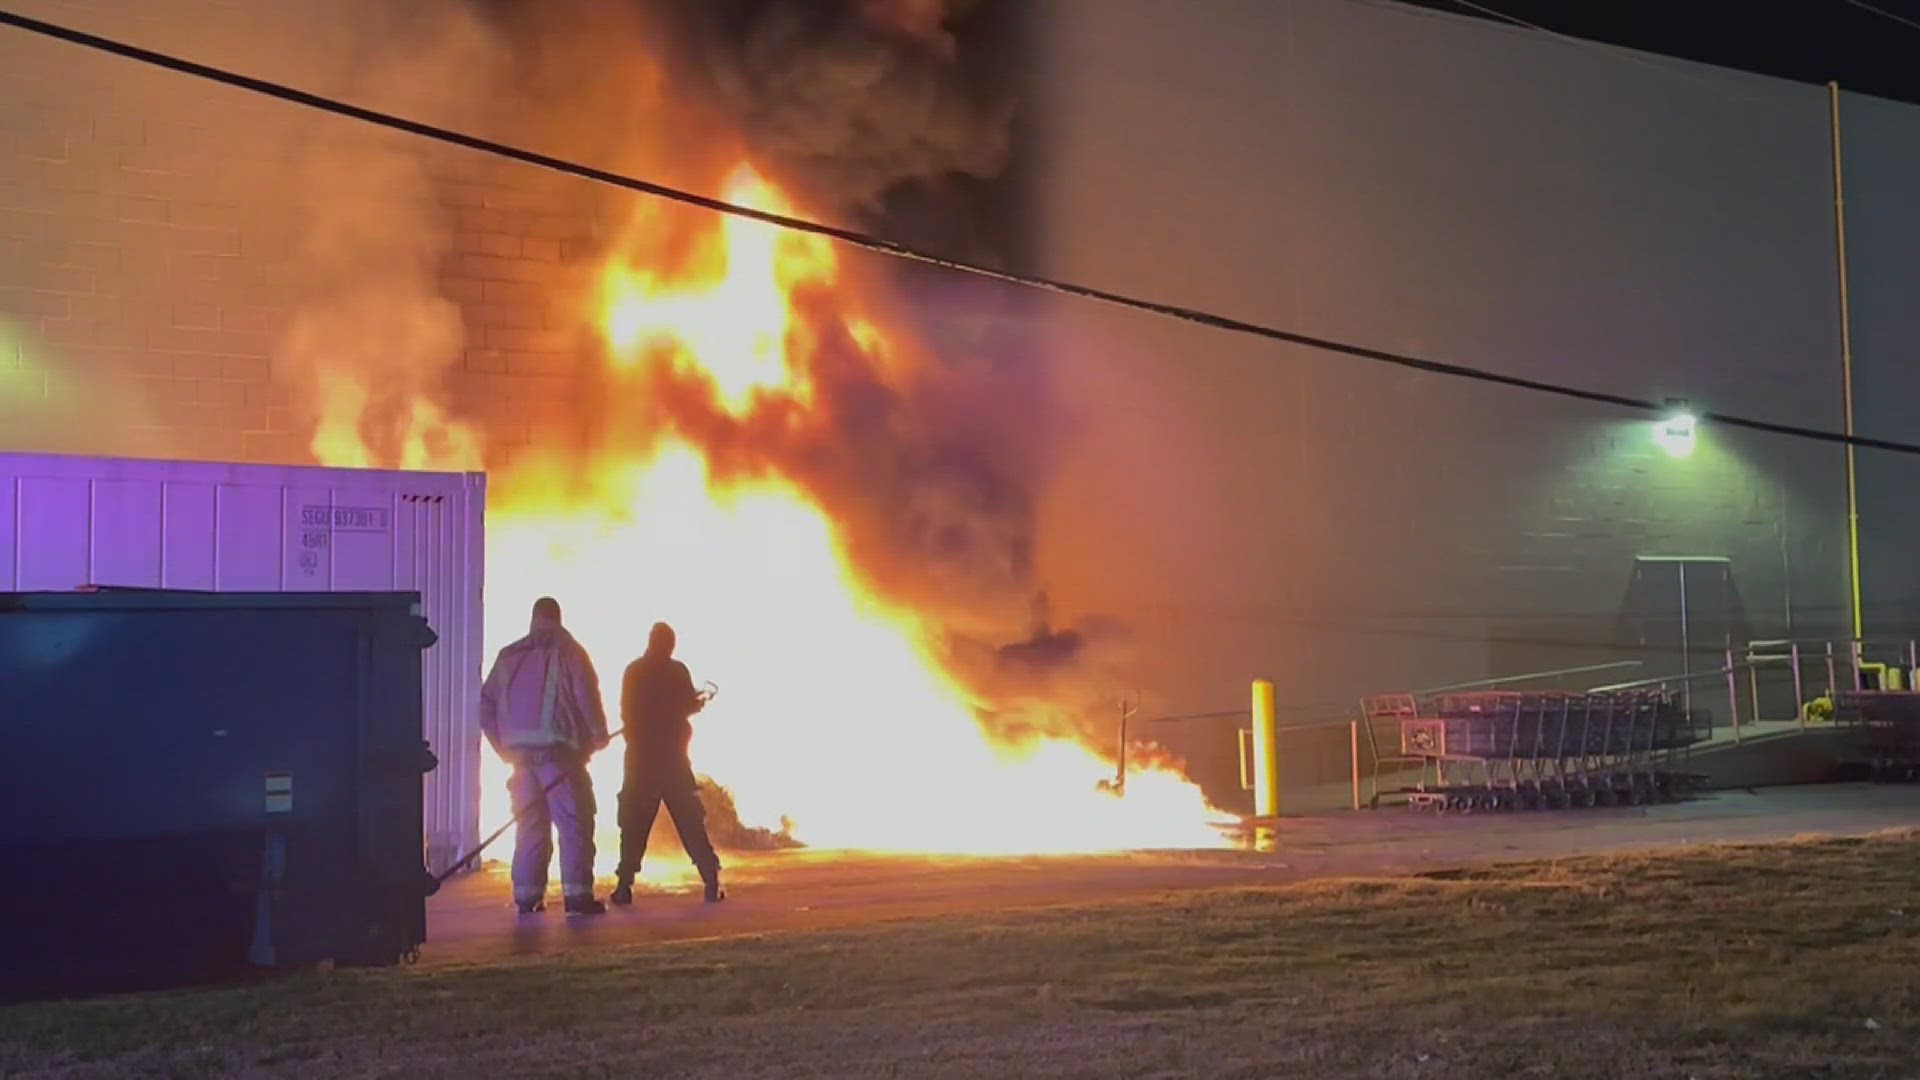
(473, 919)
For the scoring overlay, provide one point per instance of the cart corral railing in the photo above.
(1766, 687)
(1820, 669)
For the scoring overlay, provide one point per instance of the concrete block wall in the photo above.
(158, 238)
(1881, 155)
(1448, 188)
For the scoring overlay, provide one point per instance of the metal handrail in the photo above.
(1730, 671)
(1901, 642)
(1506, 680)
(1825, 655)
(1666, 680)
(1234, 714)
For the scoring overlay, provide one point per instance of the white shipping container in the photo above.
(68, 522)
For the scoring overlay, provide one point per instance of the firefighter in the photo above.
(541, 711)
(657, 703)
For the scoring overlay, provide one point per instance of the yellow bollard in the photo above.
(1266, 752)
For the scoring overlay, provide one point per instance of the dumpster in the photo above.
(203, 785)
(70, 522)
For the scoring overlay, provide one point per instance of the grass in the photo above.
(1796, 959)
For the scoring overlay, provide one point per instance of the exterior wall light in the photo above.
(1675, 431)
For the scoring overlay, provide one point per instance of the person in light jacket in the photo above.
(540, 710)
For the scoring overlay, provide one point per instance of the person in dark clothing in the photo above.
(657, 703)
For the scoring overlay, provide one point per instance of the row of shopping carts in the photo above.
(1880, 730)
(1542, 750)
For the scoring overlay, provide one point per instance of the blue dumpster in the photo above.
(200, 785)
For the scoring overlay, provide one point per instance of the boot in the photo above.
(715, 893)
(622, 894)
(528, 907)
(585, 905)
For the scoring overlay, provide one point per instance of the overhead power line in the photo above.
(889, 247)
(1629, 55)
(1906, 21)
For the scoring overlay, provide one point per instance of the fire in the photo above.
(736, 330)
(830, 716)
(834, 720)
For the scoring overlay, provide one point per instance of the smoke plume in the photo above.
(882, 114)
(372, 342)
(373, 299)
(848, 99)
(886, 113)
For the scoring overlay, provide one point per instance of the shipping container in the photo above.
(69, 522)
(206, 784)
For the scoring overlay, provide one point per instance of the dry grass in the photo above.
(1769, 960)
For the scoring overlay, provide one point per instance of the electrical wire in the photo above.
(1616, 51)
(1912, 24)
(883, 246)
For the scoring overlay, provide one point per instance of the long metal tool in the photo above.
(707, 693)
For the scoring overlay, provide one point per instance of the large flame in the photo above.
(735, 328)
(834, 722)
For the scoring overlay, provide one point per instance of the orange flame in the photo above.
(833, 718)
(736, 329)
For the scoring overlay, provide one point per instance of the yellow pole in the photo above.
(1846, 360)
(1353, 755)
(1266, 752)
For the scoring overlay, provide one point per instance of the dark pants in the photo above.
(640, 803)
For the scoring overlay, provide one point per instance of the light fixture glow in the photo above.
(1675, 431)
